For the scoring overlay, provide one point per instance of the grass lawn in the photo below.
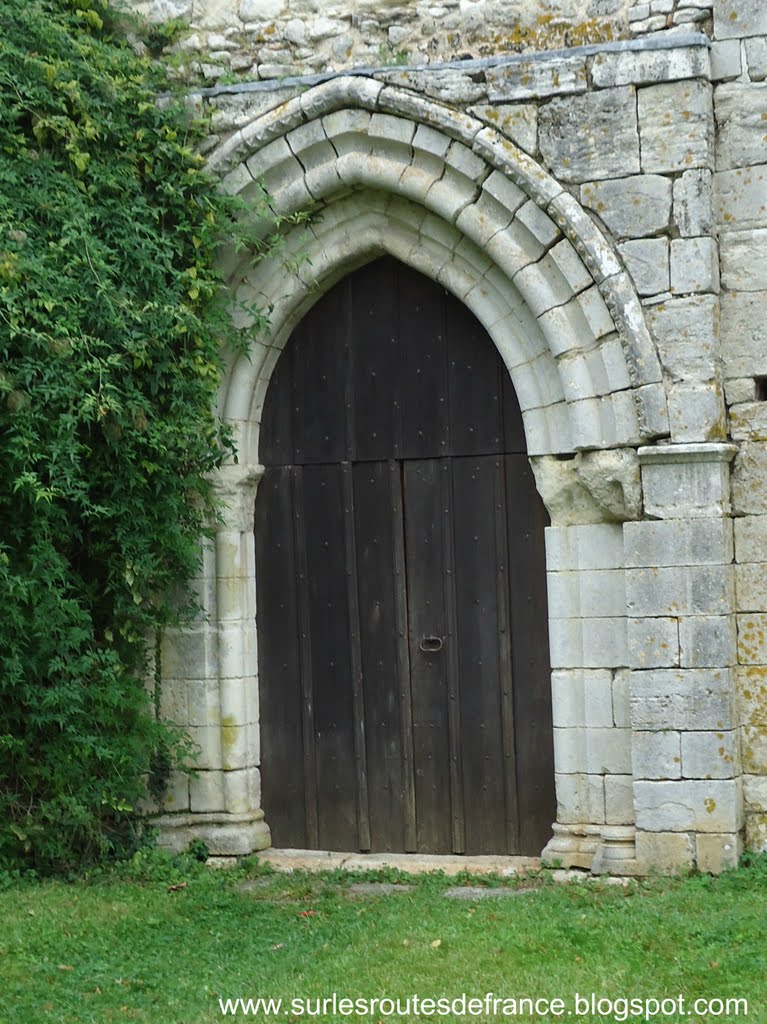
(159, 943)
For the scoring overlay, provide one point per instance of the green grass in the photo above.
(126, 946)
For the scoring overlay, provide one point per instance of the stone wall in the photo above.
(653, 136)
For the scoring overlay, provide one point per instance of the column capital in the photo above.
(235, 488)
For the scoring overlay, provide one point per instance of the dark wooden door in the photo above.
(402, 622)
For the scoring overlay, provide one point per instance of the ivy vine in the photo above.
(112, 326)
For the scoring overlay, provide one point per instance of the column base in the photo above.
(617, 852)
(225, 835)
(572, 846)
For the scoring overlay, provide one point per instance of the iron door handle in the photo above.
(431, 644)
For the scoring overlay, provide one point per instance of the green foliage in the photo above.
(111, 332)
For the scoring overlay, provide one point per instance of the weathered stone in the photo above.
(580, 798)
(749, 479)
(687, 334)
(750, 587)
(630, 207)
(752, 638)
(718, 853)
(743, 333)
(525, 79)
(594, 751)
(741, 197)
(744, 260)
(756, 832)
(742, 127)
(451, 86)
(378, 889)
(755, 793)
(748, 421)
(696, 412)
(694, 265)
(751, 539)
(629, 67)
(582, 697)
(170, 10)
(261, 10)
(665, 852)
(707, 641)
(518, 121)
(737, 18)
(619, 800)
(483, 892)
(725, 59)
(689, 805)
(653, 642)
(693, 204)
(678, 542)
(661, 107)
(647, 260)
(710, 755)
(656, 755)
(682, 699)
(756, 57)
(680, 590)
(583, 138)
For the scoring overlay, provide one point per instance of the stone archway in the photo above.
(396, 174)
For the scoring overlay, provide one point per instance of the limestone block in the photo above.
(600, 644)
(633, 67)
(598, 546)
(206, 791)
(580, 799)
(621, 702)
(518, 121)
(741, 197)
(696, 411)
(189, 654)
(751, 698)
(451, 86)
(582, 698)
(710, 755)
(647, 260)
(630, 207)
(680, 590)
(689, 805)
(755, 793)
(753, 749)
(756, 58)
(666, 853)
(678, 542)
(176, 794)
(756, 832)
(505, 192)
(544, 230)
(687, 334)
(664, 148)
(619, 800)
(748, 421)
(682, 699)
(594, 751)
(744, 333)
(237, 791)
(584, 138)
(542, 285)
(207, 739)
(694, 265)
(656, 755)
(707, 641)
(750, 587)
(744, 260)
(739, 389)
(693, 203)
(751, 539)
(752, 638)
(697, 486)
(653, 643)
(750, 482)
(738, 18)
(203, 701)
(589, 593)
(725, 60)
(528, 79)
(652, 410)
(740, 111)
(718, 853)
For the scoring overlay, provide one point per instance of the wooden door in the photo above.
(402, 620)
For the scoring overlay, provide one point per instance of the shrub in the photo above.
(111, 330)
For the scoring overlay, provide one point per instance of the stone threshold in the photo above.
(670, 41)
(411, 863)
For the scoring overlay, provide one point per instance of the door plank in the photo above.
(331, 658)
(352, 597)
(279, 661)
(428, 668)
(305, 648)
(479, 660)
